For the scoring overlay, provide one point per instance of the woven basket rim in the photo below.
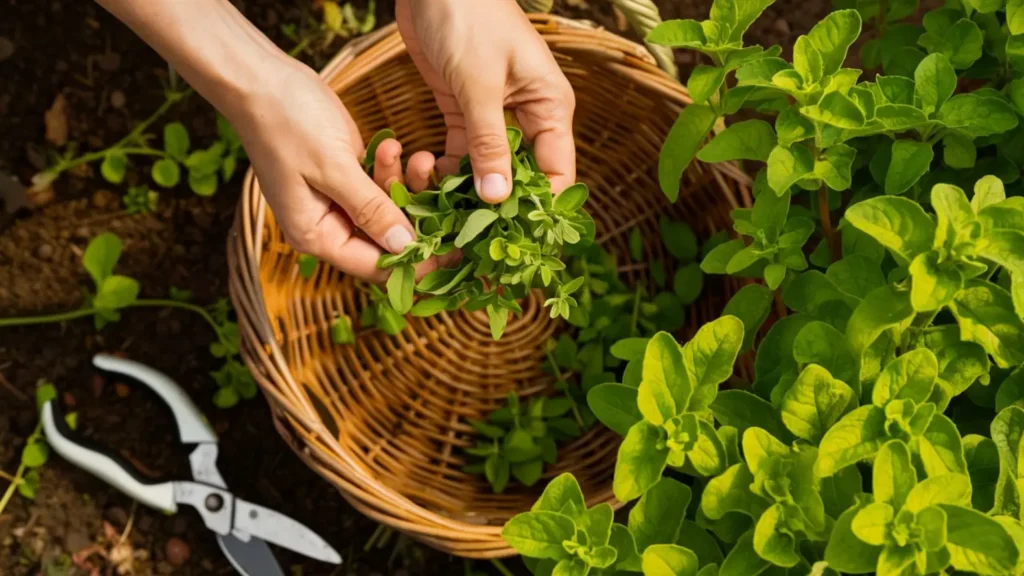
(264, 356)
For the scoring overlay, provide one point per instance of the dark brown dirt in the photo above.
(109, 80)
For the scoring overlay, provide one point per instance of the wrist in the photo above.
(215, 49)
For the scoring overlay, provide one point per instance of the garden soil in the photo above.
(71, 73)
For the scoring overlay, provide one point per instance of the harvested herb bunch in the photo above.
(507, 249)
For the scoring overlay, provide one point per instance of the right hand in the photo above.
(306, 150)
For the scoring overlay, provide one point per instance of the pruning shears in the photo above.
(243, 529)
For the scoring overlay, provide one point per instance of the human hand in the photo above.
(478, 58)
(306, 150)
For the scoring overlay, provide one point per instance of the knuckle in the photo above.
(371, 211)
(488, 144)
(568, 98)
(306, 243)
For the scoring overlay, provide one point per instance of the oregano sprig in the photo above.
(507, 249)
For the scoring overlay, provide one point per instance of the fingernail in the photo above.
(493, 188)
(390, 160)
(397, 239)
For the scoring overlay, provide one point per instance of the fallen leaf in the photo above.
(56, 119)
(13, 194)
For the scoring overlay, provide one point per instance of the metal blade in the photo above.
(252, 558)
(283, 531)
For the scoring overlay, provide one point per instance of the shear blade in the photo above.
(283, 531)
(252, 558)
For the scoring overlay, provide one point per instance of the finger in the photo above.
(387, 163)
(488, 142)
(547, 123)
(555, 151)
(438, 262)
(333, 241)
(418, 169)
(367, 206)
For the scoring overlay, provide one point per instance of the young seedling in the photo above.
(35, 453)
(115, 293)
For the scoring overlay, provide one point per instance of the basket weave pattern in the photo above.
(385, 419)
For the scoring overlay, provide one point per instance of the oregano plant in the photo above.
(880, 429)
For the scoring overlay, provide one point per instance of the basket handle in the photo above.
(642, 15)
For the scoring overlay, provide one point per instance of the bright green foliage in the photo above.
(565, 535)
(141, 200)
(36, 451)
(113, 292)
(677, 385)
(881, 431)
(205, 169)
(507, 250)
(517, 441)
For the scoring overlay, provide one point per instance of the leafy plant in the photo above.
(35, 453)
(205, 168)
(612, 324)
(336, 21)
(141, 200)
(114, 293)
(520, 440)
(507, 249)
(880, 431)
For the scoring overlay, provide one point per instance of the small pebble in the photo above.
(206, 564)
(144, 523)
(104, 199)
(782, 27)
(110, 61)
(97, 385)
(122, 389)
(40, 198)
(44, 252)
(6, 48)
(116, 516)
(177, 552)
(178, 525)
(69, 399)
(118, 99)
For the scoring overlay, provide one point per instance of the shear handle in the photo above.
(192, 429)
(102, 465)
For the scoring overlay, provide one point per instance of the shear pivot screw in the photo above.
(214, 502)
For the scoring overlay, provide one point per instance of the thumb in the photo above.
(488, 144)
(368, 207)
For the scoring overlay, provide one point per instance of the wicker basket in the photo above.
(384, 419)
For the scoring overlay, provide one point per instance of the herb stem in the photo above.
(373, 538)
(83, 312)
(500, 567)
(47, 319)
(826, 224)
(561, 378)
(636, 313)
(162, 303)
(883, 17)
(121, 145)
(20, 474)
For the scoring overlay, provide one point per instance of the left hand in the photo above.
(479, 57)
